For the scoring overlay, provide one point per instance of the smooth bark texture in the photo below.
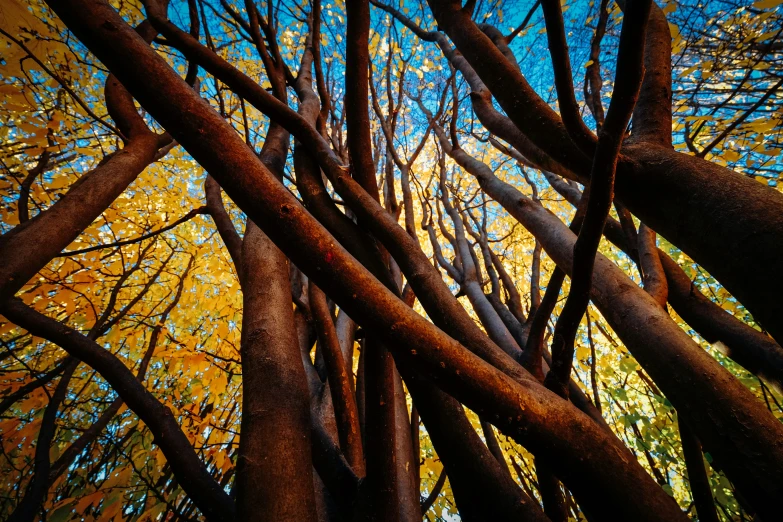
(305, 427)
(22, 252)
(249, 183)
(656, 183)
(652, 269)
(601, 191)
(711, 396)
(697, 476)
(483, 488)
(754, 350)
(344, 401)
(276, 405)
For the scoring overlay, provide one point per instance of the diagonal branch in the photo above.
(628, 80)
(561, 63)
(191, 473)
(187, 217)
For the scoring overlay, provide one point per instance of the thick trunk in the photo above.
(483, 489)
(274, 475)
(380, 492)
(410, 505)
(677, 195)
(652, 117)
(701, 390)
(755, 351)
(681, 197)
(586, 458)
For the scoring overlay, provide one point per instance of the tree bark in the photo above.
(657, 184)
(274, 475)
(591, 466)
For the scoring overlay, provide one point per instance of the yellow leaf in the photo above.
(89, 500)
(767, 4)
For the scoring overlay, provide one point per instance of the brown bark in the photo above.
(669, 356)
(225, 155)
(482, 488)
(628, 78)
(223, 222)
(408, 491)
(652, 117)
(382, 501)
(655, 183)
(27, 248)
(593, 83)
(24, 252)
(381, 489)
(697, 475)
(345, 411)
(754, 350)
(274, 475)
(581, 135)
(274, 468)
(652, 270)
(191, 473)
(493, 446)
(433, 293)
(729, 205)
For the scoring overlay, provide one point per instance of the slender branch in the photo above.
(628, 80)
(64, 85)
(593, 83)
(187, 217)
(744, 116)
(435, 492)
(561, 62)
(191, 473)
(524, 23)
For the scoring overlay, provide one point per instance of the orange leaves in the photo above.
(111, 507)
(88, 501)
(160, 459)
(194, 363)
(118, 479)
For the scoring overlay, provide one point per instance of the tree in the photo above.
(216, 306)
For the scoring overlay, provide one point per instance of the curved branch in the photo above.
(191, 473)
(187, 217)
(583, 448)
(561, 62)
(628, 79)
(225, 227)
